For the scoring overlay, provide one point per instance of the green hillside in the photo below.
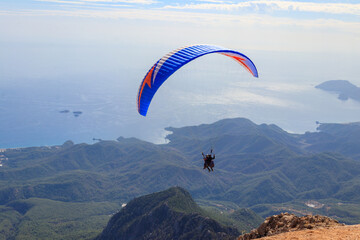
(170, 214)
(256, 166)
(37, 218)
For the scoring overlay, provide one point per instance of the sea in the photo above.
(89, 105)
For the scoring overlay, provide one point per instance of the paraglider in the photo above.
(174, 60)
(209, 161)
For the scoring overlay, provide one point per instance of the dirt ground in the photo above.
(349, 232)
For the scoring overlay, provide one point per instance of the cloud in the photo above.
(124, 1)
(61, 1)
(213, 1)
(289, 6)
(183, 16)
(102, 2)
(103, 9)
(251, 31)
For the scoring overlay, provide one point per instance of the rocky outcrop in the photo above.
(347, 232)
(286, 222)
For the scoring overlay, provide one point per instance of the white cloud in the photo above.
(332, 8)
(61, 1)
(124, 1)
(210, 6)
(213, 1)
(103, 2)
(262, 32)
(197, 18)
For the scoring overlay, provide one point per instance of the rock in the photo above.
(286, 222)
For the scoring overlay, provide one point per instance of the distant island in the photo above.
(64, 111)
(77, 113)
(344, 88)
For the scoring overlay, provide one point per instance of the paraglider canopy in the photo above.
(174, 60)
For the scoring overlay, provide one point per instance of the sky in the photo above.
(91, 55)
(262, 25)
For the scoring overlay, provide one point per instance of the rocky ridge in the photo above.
(286, 222)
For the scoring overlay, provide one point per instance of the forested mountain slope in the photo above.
(258, 166)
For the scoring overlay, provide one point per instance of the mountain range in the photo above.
(260, 167)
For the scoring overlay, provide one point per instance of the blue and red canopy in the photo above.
(174, 60)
